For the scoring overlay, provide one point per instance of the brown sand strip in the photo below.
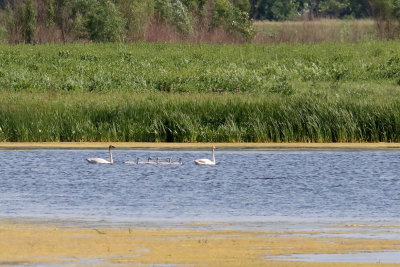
(261, 146)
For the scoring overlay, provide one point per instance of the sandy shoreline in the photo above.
(27, 243)
(249, 146)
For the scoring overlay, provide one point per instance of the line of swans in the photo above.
(169, 162)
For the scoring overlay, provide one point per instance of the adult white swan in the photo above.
(207, 161)
(100, 160)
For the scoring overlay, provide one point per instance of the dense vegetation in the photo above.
(141, 67)
(196, 21)
(43, 21)
(195, 93)
(343, 90)
(326, 117)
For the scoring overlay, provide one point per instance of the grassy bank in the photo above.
(200, 93)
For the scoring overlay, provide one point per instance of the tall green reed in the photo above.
(163, 117)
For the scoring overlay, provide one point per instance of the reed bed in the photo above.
(200, 93)
(163, 117)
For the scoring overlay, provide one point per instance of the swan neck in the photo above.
(111, 159)
(213, 155)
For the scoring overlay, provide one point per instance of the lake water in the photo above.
(244, 185)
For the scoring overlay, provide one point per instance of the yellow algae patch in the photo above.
(187, 247)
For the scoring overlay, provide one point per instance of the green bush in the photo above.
(104, 23)
(175, 13)
(137, 15)
(7, 19)
(50, 12)
(243, 5)
(25, 20)
(231, 18)
(3, 35)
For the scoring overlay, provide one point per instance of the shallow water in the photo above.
(362, 257)
(244, 185)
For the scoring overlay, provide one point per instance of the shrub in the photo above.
(25, 20)
(386, 13)
(3, 34)
(50, 13)
(8, 20)
(137, 15)
(232, 19)
(104, 23)
(175, 13)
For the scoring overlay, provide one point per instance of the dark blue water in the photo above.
(243, 185)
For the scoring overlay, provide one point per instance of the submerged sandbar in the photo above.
(41, 242)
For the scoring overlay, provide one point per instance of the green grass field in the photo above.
(201, 93)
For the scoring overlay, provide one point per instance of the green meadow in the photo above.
(158, 92)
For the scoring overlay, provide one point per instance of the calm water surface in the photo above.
(243, 185)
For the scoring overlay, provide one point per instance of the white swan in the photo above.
(100, 160)
(207, 161)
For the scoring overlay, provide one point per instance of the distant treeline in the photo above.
(385, 12)
(42, 21)
(309, 9)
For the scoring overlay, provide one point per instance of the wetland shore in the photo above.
(167, 145)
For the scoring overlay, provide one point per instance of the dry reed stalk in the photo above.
(49, 34)
(159, 30)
